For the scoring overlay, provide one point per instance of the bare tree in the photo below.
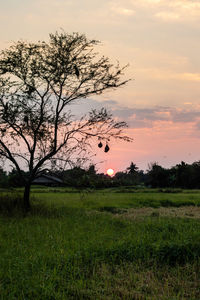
(38, 82)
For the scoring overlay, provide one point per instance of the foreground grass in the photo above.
(68, 247)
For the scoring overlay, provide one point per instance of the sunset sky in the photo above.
(160, 40)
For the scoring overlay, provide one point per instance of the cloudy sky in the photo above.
(160, 41)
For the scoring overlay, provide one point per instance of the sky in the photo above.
(159, 39)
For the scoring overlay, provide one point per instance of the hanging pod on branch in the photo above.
(100, 145)
(106, 148)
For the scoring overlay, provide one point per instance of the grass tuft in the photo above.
(11, 204)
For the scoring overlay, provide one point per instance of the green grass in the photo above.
(71, 247)
(116, 198)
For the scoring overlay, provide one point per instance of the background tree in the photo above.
(157, 176)
(38, 83)
(133, 174)
(195, 175)
(132, 169)
(184, 175)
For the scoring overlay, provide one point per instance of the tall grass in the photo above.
(11, 203)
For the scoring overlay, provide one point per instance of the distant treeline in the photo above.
(182, 175)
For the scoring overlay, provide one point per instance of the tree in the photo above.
(195, 175)
(132, 169)
(157, 176)
(133, 173)
(76, 173)
(38, 83)
(183, 175)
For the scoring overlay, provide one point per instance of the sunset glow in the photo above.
(110, 172)
(161, 102)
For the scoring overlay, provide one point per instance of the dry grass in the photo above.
(130, 281)
(180, 212)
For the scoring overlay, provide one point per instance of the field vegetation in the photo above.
(119, 243)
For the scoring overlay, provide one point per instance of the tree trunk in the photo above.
(27, 205)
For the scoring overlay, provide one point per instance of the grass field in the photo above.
(107, 244)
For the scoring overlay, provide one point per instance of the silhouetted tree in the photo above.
(195, 175)
(132, 169)
(183, 175)
(38, 83)
(157, 176)
(91, 170)
(74, 177)
(133, 174)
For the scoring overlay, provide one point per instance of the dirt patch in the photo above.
(181, 212)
